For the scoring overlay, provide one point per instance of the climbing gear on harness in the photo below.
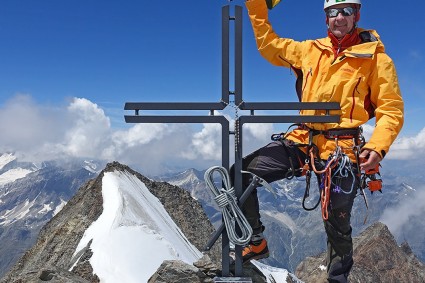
(372, 179)
(307, 189)
(227, 202)
(337, 166)
(374, 184)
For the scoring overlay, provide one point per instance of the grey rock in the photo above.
(377, 258)
(178, 272)
(208, 267)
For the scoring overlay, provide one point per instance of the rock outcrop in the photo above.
(377, 258)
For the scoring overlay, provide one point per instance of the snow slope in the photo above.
(5, 159)
(13, 174)
(134, 234)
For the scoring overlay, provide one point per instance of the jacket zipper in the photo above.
(306, 78)
(354, 100)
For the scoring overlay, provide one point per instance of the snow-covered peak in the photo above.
(5, 159)
(186, 177)
(134, 230)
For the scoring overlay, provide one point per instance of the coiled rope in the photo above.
(227, 202)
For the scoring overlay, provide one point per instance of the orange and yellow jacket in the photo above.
(362, 79)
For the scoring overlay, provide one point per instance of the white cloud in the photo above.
(367, 131)
(82, 129)
(409, 148)
(27, 127)
(90, 129)
(205, 144)
(32, 129)
(257, 135)
(398, 218)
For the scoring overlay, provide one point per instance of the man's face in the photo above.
(341, 25)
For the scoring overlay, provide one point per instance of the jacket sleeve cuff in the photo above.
(382, 152)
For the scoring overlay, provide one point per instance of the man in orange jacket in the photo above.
(350, 67)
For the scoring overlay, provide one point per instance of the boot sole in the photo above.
(257, 257)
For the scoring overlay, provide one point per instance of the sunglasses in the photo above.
(333, 12)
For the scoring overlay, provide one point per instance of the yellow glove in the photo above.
(272, 3)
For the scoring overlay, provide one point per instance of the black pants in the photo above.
(272, 163)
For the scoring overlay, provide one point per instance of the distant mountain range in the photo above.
(30, 195)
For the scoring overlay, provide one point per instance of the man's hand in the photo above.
(369, 159)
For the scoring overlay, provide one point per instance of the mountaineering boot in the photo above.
(255, 250)
(272, 3)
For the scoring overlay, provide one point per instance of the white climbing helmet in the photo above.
(329, 3)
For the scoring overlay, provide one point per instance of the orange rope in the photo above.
(325, 194)
(326, 191)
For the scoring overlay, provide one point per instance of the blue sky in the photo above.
(61, 60)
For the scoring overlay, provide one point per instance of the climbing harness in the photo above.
(336, 167)
(228, 203)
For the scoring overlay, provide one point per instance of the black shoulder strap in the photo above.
(367, 36)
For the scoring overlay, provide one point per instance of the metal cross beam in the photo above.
(239, 104)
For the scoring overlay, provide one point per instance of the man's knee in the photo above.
(339, 238)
